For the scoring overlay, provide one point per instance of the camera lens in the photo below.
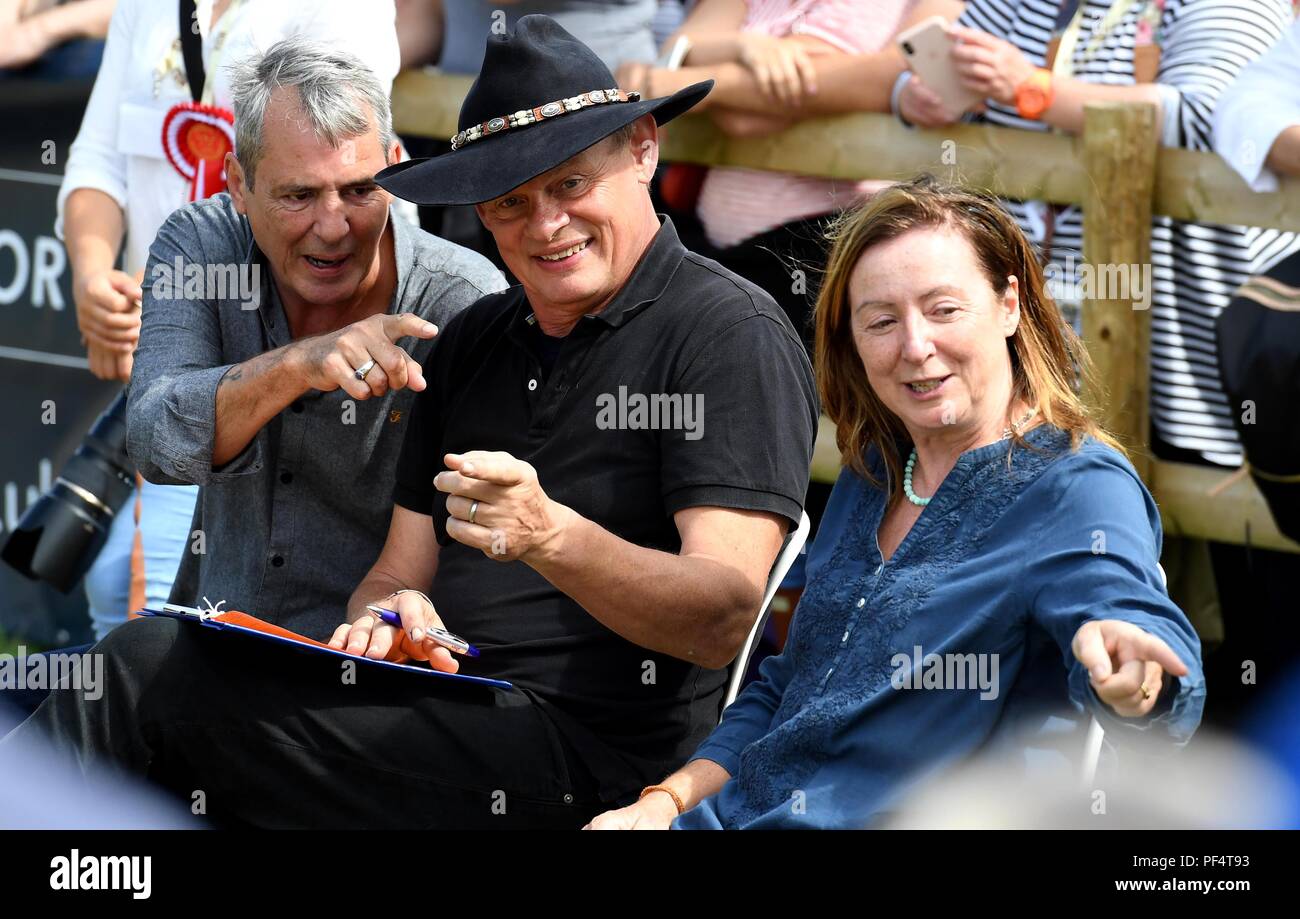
(58, 538)
(908, 49)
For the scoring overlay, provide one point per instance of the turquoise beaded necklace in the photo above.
(911, 461)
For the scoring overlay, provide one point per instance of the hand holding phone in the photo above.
(927, 48)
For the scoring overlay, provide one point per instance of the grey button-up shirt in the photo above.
(287, 529)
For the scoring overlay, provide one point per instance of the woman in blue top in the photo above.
(982, 523)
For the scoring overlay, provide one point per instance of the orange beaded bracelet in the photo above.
(677, 802)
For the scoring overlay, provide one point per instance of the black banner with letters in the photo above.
(48, 397)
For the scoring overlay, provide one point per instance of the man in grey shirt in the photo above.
(284, 327)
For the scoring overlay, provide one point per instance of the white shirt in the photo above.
(119, 147)
(1263, 103)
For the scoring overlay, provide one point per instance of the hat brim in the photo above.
(490, 167)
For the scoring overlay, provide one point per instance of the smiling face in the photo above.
(573, 235)
(932, 334)
(315, 210)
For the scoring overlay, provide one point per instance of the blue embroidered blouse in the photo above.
(1008, 557)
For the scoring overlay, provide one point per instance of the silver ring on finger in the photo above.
(473, 509)
(360, 372)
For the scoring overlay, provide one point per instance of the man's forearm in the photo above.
(696, 781)
(1284, 155)
(845, 83)
(250, 395)
(693, 608)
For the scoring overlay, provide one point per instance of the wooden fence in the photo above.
(1116, 170)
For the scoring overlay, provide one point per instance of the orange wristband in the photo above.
(1034, 96)
(677, 802)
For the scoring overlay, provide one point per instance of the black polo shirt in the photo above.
(681, 326)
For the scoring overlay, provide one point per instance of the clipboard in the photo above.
(235, 621)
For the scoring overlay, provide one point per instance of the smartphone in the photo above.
(926, 47)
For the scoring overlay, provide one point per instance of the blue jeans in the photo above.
(165, 515)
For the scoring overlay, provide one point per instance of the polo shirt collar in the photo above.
(649, 278)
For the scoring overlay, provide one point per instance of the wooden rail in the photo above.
(1115, 169)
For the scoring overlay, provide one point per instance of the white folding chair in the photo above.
(794, 543)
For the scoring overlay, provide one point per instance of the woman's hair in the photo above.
(1044, 350)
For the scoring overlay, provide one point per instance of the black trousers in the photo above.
(263, 736)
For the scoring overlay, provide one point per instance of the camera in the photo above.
(59, 536)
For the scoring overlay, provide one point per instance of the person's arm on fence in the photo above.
(1200, 56)
(23, 42)
(995, 68)
(805, 72)
(1257, 121)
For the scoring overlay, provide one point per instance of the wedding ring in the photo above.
(1146, 693)
(473, 509)
(365, 368)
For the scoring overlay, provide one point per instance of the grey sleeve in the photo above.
(172, 402)
(458, 282)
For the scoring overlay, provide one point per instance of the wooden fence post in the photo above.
(1119, 155)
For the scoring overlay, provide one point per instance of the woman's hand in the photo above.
(991, 66)
(653, 812)
(1126, 664)
(782, 68)
(921, 106)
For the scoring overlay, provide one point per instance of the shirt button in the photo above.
(277, 561)
(862, 601)
(286, 477)
(845, 639)
(532, 385)
(568, 799)
(297, 408)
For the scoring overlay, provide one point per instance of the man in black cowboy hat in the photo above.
(593, 488)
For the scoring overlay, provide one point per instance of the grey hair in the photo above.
(334, 90)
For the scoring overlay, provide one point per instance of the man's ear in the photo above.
(645, 148)
(235, 183)
(1011, 306)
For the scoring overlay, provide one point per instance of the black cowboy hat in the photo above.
(541, 98)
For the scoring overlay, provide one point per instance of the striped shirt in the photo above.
(737, 204)
(1195, 266)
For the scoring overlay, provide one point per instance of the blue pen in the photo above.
(441, 636)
